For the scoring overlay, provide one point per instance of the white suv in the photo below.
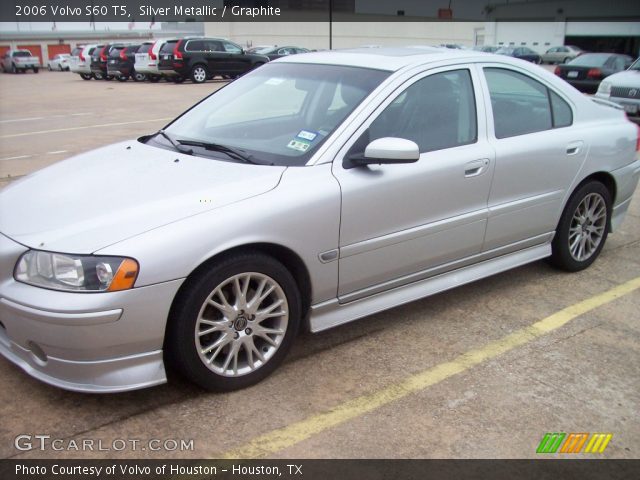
(80, 61)
(147, 59)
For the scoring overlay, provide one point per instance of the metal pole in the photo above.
(330, 24)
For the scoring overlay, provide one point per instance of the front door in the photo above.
(400, 221)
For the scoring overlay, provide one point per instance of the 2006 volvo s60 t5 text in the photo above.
(315, 190)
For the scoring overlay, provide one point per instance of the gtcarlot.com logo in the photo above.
(26, 442)
(574, 442)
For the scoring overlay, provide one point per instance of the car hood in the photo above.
(95, 199)
(628, 78)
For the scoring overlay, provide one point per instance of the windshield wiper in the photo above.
(177, 146)
(231, 152)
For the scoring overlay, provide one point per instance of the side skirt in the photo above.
(331, 313)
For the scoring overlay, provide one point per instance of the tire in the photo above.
(178, 79)
(153, 78)
(565, 60)
(60, 68)
(13, 68)
(86, 76)
(49, 67)
(35, 70)
(589, 231)
(108, 77)
(230, 366)
(123, 78)
(98, 76)
(199, 74)
(138, 77)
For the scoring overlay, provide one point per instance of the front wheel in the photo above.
(139, 77)
(231, 326)
(35, 70)
(122, 78)
(583, 228)
(154, 78)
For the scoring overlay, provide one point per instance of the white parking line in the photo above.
(83, 127)
(16, 158)
(57, 151)
(21, 119)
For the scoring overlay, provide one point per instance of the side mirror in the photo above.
(387, 150)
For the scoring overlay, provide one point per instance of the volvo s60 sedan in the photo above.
(315, 190)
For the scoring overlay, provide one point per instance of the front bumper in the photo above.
(88, 342)
(631, 105)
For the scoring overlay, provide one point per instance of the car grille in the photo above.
(625, 92)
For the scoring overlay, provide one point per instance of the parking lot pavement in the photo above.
(482, 371)
(50, 116)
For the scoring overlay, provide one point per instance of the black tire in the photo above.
(49, 67)
(181, 351)
(35, 70)
(199, 74)
(565, 60)
(108, 78)
(86, 76)
(153, 78)
(13, 68)
(123, 78)
(60, 68)
(138, 77)
(98, 76)
(178, 79)
(561, 256)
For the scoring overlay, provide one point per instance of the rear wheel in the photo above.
(86, 76)
(153, 78)
(178, 79)
(108, 77)
(583, 228)
(139, 77)
(98, 76)
(35, 70)
(233, 325)
(123, 78)
(199, 74)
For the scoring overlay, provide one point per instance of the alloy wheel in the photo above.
(588, 226)
(241, 324)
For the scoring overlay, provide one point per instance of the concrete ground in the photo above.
(388, 386)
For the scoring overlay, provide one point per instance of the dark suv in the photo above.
(204, 58)
(99, 62)
(121, 62)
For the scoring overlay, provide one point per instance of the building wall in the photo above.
(315, 35)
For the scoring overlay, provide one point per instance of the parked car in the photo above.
(203, 58)
(277, 52)
(624, 89)
(120, 63)
(59, 62)
(16, 61)
(561, 54)
(523, 53)
(486, 48)
(99, 59)
(80, 60)
(147, 60)
(258, 47)
(319, 188)
(587, 71)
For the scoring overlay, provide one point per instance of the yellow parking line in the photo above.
(294, 433)
(69, 129)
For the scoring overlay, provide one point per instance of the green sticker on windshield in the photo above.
(299, 144)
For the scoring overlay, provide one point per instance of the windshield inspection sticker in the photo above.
(274, 81)
(300, 145)
(306, 135)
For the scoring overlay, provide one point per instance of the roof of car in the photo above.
(391, 59)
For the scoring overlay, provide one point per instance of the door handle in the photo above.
(476, 167)
(574, 148)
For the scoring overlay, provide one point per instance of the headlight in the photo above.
(604, 88)
(77, 273)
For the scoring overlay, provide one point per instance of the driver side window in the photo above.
(436, 112)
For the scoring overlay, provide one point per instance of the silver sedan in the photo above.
(316, 190)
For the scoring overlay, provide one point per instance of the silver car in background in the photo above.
(315, 190)
(561, 54)
(624, 89)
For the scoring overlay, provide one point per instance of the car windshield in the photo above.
(145, 47)
(591, 60)
(115, 52)
(505, 51)
(635, 65)
(278, 114)
(22, 53)
(263, 50)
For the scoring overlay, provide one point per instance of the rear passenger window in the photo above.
(523, 105)
(195, 46)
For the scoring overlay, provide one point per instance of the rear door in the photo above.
(400, 223)
(538, 154)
